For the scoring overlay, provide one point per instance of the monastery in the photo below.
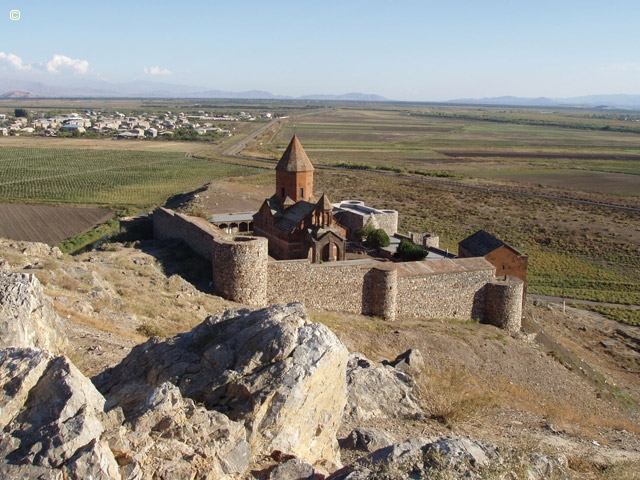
(297, 254)
(295, 222)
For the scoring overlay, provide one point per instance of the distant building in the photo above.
(506, 259)
(354, 214)
(297, 224)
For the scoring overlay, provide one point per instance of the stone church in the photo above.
(296, 223)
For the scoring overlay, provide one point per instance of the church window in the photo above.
(301, 192)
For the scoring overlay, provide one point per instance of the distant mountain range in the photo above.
(15, 88)
(97, 88)
(588, 101)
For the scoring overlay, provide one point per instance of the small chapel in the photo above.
(297, 223)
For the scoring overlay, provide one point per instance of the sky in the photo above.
(405, 50)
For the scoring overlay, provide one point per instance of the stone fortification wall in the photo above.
(451, 288)
(194, 231)
(503, 303)
(338, 286)
(239, 263)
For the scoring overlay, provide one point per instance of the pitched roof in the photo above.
(294, 158)
(481, 243)
(324, 203)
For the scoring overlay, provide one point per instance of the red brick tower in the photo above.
(294, 174)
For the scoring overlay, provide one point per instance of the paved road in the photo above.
(547, 298)
(237, 147)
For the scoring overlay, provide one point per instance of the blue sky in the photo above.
(403, 50)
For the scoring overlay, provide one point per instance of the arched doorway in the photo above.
(329, 252)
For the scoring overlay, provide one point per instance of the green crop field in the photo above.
(114, 178)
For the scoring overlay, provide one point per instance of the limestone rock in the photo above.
(409, 362)
(366, 439)
(294, 469)
(27, 318)
(52, 418)
(424, 458)
(272, 369)
(173, 438)
(378, 391)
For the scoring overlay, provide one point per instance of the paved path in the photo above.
(237, 147)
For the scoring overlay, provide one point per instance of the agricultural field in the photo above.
(561, 156)
(525, 183)
(119, 179)
(48, 224)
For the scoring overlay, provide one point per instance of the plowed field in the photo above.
(48, 224)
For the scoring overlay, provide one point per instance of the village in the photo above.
(120, 125)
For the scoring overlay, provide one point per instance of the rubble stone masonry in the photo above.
(451, 288)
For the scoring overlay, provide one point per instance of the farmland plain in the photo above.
(568, 197)
(562, 186)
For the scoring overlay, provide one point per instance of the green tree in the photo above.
(363, 232)
(378, 238)
(21, 112)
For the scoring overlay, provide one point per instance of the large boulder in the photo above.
(451, 457)
(272, 369)
(27, 318)
(52, 417)
(172, 438)
(423, 458)
(54, 425)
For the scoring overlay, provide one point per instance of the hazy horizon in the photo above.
(406, 51)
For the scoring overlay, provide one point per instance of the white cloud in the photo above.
(14, 60)
(156, 71)
(62, 62)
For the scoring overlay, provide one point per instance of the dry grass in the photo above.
(95, 322)
(453, 396)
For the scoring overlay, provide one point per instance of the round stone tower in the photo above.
(503, 303)
(240, 269)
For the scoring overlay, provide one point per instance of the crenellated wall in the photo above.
(450, 288)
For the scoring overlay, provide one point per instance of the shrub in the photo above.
(408, 252)
(378, 238)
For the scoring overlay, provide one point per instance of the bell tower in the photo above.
(294, 174)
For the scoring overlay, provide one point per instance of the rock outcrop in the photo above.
(450, 457)
(377, 390)
(173, 438)
(27, 318)
(272, 369)
(52, 419)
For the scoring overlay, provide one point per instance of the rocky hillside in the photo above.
(282, 393)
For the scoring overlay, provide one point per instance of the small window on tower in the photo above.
(301, 192)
